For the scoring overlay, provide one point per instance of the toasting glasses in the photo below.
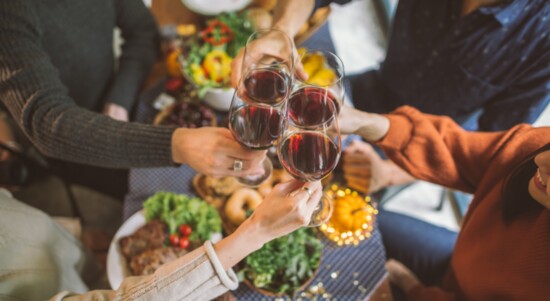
(258, 107)
(326, 74)
(267, 72)
(256, 126)
(311, 145)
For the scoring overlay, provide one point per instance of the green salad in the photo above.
(284, 264)
(208, 60)
(179, 209)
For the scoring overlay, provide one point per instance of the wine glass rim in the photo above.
(339, 73)
(248, 102)
(333, 116)
(304, 85)
(313, 127)
(291, 62)
(301, 131)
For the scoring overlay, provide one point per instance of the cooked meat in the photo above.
(149, 261)
(152, 235)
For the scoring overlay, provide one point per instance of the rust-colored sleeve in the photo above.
(437, 150)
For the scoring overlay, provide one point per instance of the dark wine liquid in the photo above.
(267, 86)
(309, 156)
(312, 106)
(256, 127)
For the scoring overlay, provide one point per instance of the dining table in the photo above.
(345, 273)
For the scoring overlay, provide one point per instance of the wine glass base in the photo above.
(322, 212)
(257, 180)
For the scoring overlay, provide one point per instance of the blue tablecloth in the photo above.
(346, 273)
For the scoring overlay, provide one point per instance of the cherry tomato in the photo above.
(174, 239)
(185, 230)
(184, 242)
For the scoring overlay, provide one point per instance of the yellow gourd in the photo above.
(350, 213)
(315, 66)
(313, 63)
(324, 77)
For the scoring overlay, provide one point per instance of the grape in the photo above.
(189, 115)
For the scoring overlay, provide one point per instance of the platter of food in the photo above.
(169, 226)
(188, 115)
(283, 266)
(206, 56)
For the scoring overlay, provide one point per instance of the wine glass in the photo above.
(326, 74)
(256, 126)
(267, 67)
(311, 144)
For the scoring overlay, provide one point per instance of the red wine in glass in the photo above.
(308, 106)
(309, 156)
(256, 127)
(267, 85)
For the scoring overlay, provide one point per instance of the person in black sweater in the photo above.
(57, 72)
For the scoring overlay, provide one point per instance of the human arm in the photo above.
(206, 272)
(31, 90)
(406, 280)
(140, 51)
(288, 17)
(116, 111)
(366, 171)
(436, 149)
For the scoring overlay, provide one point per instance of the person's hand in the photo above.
(401, 276)
(371, 127)
(213, 151)
(364, 170)
(288, 207)
(273, 45)
(115, 111)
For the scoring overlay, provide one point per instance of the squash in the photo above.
(315, 66)
(350, 213)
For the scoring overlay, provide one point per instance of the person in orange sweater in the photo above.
(502, 251)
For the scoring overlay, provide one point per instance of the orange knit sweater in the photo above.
(492, 260)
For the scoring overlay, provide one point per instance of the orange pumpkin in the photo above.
(350, 213)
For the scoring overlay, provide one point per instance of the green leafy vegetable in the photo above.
(241, 29)
(178, 209)
(284, 264)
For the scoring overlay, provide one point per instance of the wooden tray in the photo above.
(217, 202)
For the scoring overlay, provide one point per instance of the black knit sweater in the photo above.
(57, 66)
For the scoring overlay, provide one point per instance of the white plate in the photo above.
(117, 268)
(214, 7)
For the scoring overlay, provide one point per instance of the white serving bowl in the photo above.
(219, 98)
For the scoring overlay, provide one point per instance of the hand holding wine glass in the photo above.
(311, 145)
(213, 151)
(256, 126)
(372, 127)
(262, 48)
(258, 106)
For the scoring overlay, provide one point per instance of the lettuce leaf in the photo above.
(178, 209)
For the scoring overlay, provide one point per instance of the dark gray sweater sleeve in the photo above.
(140, 50)
(31, 90)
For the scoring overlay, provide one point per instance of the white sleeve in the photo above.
(198, 275)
